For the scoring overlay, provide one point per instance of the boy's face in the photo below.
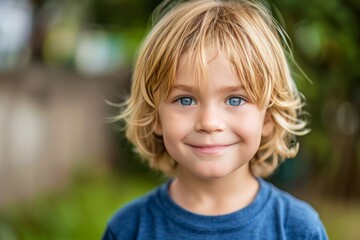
(213, 130)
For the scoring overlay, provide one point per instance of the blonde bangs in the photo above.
(256, 55)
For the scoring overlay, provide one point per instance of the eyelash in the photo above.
(191, 101)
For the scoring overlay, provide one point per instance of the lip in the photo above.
(210, 149)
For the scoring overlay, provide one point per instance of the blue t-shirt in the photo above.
(273, 214)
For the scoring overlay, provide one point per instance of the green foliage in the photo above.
(326, 46)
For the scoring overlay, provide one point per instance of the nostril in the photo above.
(210, 121)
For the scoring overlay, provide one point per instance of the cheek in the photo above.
(173, 128)
(249, 127)
(174, 131)
(173, 137)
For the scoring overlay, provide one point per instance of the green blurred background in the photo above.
(64, 170)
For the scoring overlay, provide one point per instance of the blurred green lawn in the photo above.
(81, 210)
(342, 220)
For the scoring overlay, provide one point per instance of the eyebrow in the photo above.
(186, 88)
(189, 88)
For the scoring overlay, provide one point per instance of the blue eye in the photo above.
(186, 101)
(235, 101)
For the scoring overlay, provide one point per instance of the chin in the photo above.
(212, 173)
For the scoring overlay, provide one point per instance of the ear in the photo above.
(268, 125)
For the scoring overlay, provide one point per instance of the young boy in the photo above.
(213, 105)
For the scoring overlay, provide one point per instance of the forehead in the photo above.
(213, 68)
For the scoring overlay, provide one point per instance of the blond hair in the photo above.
(254, 44)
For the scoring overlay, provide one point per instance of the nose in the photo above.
(209, 120)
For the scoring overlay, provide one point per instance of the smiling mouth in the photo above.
(210, 149)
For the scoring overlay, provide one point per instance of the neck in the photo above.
(214, 196)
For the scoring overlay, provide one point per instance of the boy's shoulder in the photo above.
(297, 216)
